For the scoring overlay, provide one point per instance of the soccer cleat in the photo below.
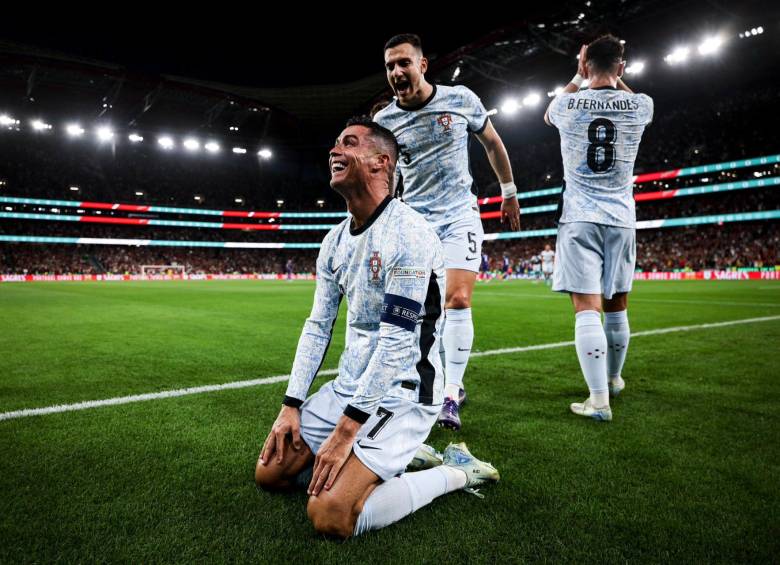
(449, 417)
(478, 473)
(462, 397)
(587, 409)
(616, 386)
(426, 457)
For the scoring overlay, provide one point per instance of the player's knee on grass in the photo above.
(268, 477)
(330, 516)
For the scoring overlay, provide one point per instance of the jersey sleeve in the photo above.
(407, 277)
(317, 330)
(554, 110)
(645, 111)
(474, 111)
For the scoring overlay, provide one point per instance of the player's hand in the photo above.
(582, 68)
(332, 455)
(287, 425)
(510, 212)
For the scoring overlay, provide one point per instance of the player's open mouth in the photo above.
(337, 167)
(402, 87)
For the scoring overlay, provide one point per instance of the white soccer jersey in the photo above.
(434, 143)
(600, 131)
(391, 271)
(548, 257)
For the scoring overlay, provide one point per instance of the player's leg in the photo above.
(319, 415)
(287, 475)
(618, 335)
(619, 264)
(400, 496)
(462, 243)
(579, 272)
(334, 512)
(457, 340)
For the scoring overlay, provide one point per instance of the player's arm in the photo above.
(312, 346)
(499, 160)
(623, 86)
(574, 84)
(406, 285)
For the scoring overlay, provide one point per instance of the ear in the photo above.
(380, 162)
(621, 69)
(423, 65)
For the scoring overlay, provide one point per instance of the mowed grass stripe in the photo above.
(281, 378)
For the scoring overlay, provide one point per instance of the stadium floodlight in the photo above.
(191, 144)
(710, 45)
(456, 73)
(104, 133)
(166, 142)
(238, 200)
(212, 147)
(265, 153)
(40, 125)
(510, 106)
(239, 150)
(760, 29)
(74, 188)
(678, 55)
(198, 198)
(135, 138)
(6, 120)
(532, 99)
(139, 193)
(280, 203)
(635, 68)
(320, 203)
(74, 130)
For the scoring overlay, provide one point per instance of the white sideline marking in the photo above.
(559, 296)
(282, 378)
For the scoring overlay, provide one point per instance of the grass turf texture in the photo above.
(687, 471)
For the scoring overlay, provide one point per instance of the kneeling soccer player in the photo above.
(352, 440)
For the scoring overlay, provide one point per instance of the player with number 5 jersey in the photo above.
(600, 130)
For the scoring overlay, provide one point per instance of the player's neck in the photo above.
(423, 94)
(363, 204)
(600, 81)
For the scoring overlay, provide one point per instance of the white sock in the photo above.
(400, 496)
(458, 337)
(591, 344)
(618, 336)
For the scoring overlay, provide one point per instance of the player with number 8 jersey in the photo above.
(600, 130)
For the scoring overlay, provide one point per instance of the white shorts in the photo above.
(594, 259)
(547, 268)
(462, 242)
(387, 441)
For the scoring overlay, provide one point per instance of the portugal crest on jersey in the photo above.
(445, 121)
(374, 268)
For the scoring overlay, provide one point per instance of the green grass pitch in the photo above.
(689, 470)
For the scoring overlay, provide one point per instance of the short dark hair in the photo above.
(604, 53)
(411, 38)
(383, 137)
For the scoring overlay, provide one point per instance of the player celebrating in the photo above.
(365, 426)
(600, 130)
(548, 264)
(432, 124)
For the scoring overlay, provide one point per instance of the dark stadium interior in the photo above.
(715, 110)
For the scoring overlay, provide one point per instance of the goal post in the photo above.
(162, 270)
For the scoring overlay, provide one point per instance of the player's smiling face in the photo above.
(405, 67)
(349, 158)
